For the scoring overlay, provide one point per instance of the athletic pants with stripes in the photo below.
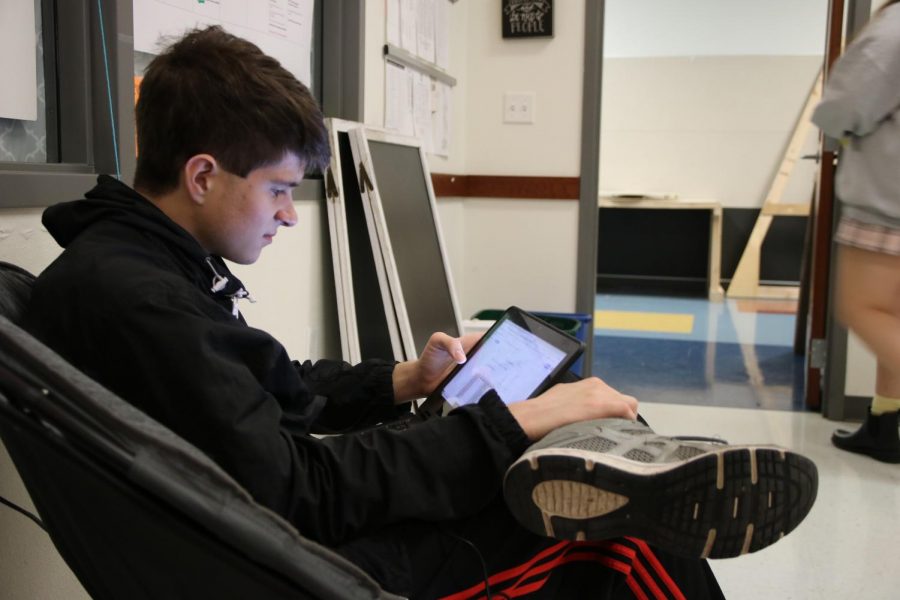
(491, 556)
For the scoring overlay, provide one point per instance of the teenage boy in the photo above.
(142, 301)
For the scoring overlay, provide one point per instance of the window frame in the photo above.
(79, 131)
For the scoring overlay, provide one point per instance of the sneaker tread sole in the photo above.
(721, 504)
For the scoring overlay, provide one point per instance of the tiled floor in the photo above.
(690, 351)
(734, 375)
(848, 546)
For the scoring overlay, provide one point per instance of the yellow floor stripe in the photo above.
(643, 321)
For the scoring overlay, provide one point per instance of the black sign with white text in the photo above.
(527, 18)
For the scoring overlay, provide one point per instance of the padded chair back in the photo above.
(15, 290)
(136, 511)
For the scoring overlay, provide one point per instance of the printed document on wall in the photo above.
(442, 34)
(398, 104)
(409, 22)
(425, 30)
(422, 110)
(441, 118)
(281, 28)
(18, 60)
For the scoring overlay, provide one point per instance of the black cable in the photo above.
(18, 508)
(484, 573)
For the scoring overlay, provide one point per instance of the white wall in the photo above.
(502, 251)
(519, 253)
(707, 127)
(552, 68)
(701, 97)
(714, 28)
(522, 252)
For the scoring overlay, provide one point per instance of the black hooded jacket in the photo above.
(133, 302)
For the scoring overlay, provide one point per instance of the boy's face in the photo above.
(244, 213)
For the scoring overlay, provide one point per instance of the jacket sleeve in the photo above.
(438, 470)
(232, 391)
(355, 396)
(863, 87)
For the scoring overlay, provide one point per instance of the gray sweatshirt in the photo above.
(861, 104)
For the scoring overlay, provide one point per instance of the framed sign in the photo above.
(527, 18)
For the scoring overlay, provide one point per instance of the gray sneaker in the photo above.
(613, 477)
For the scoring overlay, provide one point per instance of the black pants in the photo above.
(460, 560)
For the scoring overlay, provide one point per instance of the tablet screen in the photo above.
(513, 362)
(518, 357)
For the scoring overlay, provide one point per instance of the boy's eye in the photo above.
(278, 192)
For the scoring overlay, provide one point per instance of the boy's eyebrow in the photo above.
(288, 182)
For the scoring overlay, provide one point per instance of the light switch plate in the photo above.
(518, 107)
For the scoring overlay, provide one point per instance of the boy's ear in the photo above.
(199, 174)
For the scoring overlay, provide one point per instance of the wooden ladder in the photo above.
(745, 281)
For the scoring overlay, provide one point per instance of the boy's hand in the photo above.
(418, 378)
(567, 403)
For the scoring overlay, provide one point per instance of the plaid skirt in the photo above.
(875, 238)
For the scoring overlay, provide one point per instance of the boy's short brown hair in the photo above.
(212, 92)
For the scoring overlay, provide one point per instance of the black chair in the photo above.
(134, 510)
(15, 290)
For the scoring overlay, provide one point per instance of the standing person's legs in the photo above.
(868, 303)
